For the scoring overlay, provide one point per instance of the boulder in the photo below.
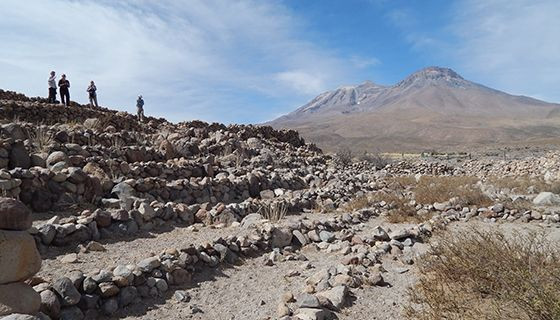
(19, 258)
(14, 215)
(93, 169)
(18, 298)
(123, 191)
(68, 293)
(281, 237)
(547, 199)
(19, 157)
(337, 296)
(50, 304)
(56, 157)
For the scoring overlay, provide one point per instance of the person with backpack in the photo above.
(92, 90)
(52, 88)
(64, 86)
(140, 108)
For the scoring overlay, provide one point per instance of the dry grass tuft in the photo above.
(358, 203)
(40, 139)
(432, 189)
(519, 184)
(400, 209)
(486, 275)
(274, 211)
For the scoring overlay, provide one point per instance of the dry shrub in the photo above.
(40, 139)
(520, 183)
(401, 182)
(432, 189)
(274, 211)
(358, 203)
(400, 210)
(485, 275)
(344, 156)
(377, 160)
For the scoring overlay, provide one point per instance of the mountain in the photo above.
(434, 108)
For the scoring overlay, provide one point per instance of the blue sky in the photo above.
(249, 61)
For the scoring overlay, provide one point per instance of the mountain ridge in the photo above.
(415, 109)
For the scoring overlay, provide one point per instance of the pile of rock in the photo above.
(19, 260)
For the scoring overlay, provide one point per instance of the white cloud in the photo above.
(513, 45)
(188, 58)
(301, 81)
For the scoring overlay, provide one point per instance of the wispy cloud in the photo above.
(511, 44)
(190, 59)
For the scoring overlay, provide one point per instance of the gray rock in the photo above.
(47, 232)
(161, 285)
(65, 288)
(127, 295)
(147, 212)
(110, 306)
(148, 264)
(326, 236)
(19, 157)
(14, 215)
(88, 301)
(281, 237)
(72, 313)
(123, 191)
(337, 296)
(89, 285)
(19, 258)
(108, 289)
(50, 304)
(103, 276)
(379, 233)
(56, 157)
(18, 297)
(547, 199)
(309, 301)
(300, 237)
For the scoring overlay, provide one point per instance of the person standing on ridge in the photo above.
(140, 108)
(92, 90)
(64, 86)
(52, 87)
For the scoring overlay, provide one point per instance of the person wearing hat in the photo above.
(52, 87)
(92, 90)
(140, 108)
(64, 86)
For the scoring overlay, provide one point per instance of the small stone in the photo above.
(326, 236)
(181, 296)
(148, 264)
(309, 301)
(69, 294)
(70, 258)
(95, 246)
(108, 289)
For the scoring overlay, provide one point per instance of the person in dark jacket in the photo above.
(64, 86)
(52, 87)
(140, 108)
(92, 90)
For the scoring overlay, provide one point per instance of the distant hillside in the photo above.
(434, 108)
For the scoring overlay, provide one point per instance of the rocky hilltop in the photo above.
(434, 108)
(105, 217)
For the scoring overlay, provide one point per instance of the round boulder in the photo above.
(19, 258)
(14, 215)
(18, 298)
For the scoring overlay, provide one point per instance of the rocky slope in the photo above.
(143, 219)
(434, 108)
